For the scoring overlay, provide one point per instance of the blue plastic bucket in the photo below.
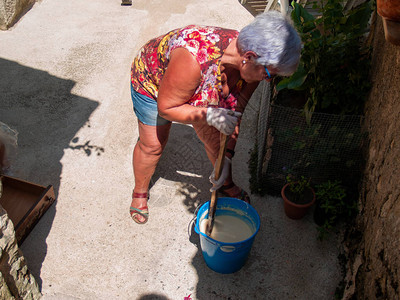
(223, 257)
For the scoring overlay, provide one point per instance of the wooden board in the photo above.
(25, 203)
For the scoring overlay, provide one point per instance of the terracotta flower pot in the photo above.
(294, 210)
(389, 10)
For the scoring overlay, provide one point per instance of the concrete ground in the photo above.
(64, 87)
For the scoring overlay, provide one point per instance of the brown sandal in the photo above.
(242, 195)
(144, 211)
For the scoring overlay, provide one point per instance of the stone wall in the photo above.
(375, 259)
(12, 10)
(16, 282)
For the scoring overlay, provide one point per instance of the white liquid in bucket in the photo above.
(228, 229)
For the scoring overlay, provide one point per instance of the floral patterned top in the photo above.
(206, 44)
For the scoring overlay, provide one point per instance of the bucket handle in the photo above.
(227, 249)
(193, 220)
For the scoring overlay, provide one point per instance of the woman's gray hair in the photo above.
(272, 37)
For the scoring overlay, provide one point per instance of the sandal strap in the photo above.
(139, 195)
(142, 211)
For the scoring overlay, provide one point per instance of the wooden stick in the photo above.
(214, 195)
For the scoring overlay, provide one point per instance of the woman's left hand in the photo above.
(223, 176)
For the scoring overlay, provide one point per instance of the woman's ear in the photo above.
(249, 55)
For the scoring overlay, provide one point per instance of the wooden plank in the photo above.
(256, 7)
(25, 203)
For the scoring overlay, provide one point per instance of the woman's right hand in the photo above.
(224, 120)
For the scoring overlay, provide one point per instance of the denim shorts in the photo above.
(146, 109)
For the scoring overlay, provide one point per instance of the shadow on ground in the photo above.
(184, 168)
(32, 105)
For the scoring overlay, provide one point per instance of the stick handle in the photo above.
(214, 195)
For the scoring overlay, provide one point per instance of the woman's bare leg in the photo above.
(211, 140)
(147, 153)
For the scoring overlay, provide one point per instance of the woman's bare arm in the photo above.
(178, 85)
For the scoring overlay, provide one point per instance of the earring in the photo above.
(243, 61)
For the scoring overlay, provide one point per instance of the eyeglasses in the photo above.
(269, 75)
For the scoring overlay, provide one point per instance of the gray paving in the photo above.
(65, 88)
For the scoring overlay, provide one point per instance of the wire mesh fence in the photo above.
(326, 148)
(262, 125)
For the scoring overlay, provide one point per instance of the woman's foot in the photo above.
(232, 190)
(139, 210)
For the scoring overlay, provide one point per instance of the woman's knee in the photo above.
(153, 149)
(153, 139)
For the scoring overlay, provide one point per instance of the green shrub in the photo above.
(333, 73)
(335, 204)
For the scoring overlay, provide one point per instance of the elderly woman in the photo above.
(204, 76)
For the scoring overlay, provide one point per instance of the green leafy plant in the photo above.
(333, 200)
(299, 187)
(334, 66)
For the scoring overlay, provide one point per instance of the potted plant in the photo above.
(334, 203)
(298, 196)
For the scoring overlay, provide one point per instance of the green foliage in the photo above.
(334, 66)
(332, 198)
(298, 187)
